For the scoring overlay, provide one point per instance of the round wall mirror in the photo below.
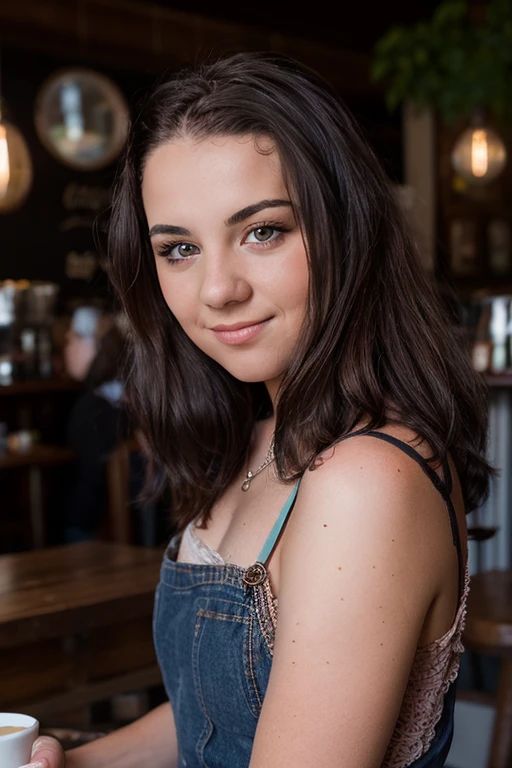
(20, 170)
(81, 118)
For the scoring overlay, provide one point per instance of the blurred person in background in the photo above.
(93, 355)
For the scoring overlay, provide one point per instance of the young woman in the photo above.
(304, 391)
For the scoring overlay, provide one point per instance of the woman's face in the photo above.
(229, 252)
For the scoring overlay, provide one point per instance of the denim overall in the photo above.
(214, 643)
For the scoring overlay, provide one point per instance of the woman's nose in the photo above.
(223, 281)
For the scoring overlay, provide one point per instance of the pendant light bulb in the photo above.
(479, 154)
(5, 171)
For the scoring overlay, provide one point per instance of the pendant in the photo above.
(247, 482)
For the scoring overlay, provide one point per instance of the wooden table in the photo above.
(75, 626)
(36, 457)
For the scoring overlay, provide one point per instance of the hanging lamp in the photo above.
(15, 162)
(5, 170)
(479, 154)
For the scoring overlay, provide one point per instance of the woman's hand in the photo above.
(47, 753)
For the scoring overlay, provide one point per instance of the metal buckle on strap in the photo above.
(254, 575)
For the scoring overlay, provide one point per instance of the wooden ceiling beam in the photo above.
(136, 35)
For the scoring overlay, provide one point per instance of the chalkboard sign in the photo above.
(50, 236)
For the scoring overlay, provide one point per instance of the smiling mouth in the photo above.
(239, 333)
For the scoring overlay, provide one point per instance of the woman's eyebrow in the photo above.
(250, 210)
(167, 229)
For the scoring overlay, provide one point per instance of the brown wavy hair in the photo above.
(377, 340)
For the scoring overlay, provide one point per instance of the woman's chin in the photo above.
(253, 375)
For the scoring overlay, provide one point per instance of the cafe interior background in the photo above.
(433, 97)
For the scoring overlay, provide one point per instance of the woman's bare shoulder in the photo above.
(366, 464)
(368, 492)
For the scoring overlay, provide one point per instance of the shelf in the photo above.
(40, 386)
(483, 281)
(483, 210)
(503, 380)
(39, 455)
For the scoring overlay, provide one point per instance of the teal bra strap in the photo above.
(278, 525)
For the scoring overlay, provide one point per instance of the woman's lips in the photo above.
(239, 335)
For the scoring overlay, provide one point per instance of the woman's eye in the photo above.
(262, 234)
(178, 251)
(185, 249)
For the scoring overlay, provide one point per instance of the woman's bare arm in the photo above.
(361, 564)
(150, 741)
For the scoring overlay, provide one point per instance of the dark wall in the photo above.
(52, 228)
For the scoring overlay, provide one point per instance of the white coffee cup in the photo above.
(16, 748)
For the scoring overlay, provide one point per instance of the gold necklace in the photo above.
(269, 458)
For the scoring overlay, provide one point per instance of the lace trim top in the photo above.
(194, 550)
(435, 666)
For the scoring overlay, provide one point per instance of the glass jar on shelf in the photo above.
(500, 332)
(464, 257)
(499, 251)
(492, 344)
(481, 354)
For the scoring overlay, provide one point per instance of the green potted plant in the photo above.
(450, 64)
